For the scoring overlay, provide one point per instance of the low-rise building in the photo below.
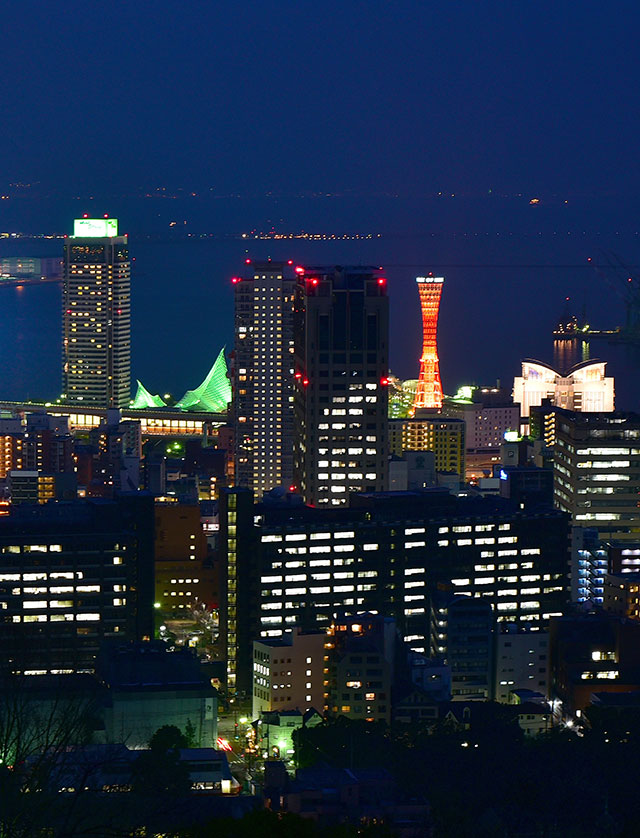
(593, 652)
(288, 673)
(275, 731)
(521, 661)
(149, 687)
(360, 667)
(622, 594)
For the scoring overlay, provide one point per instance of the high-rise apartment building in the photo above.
(341, 379)
(429, 389)
(96, 315)
(262, 374)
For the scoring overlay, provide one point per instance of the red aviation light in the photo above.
(247, 261)
(305, 382)
(384, 381)
(292, 488)
(381, 280)
(298, 375)
(235, 279)
(299, 270)
(289, 261)
(314, 281)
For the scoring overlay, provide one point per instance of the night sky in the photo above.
(433, 124)
(302, 97)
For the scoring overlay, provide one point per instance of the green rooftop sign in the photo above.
(95, 228)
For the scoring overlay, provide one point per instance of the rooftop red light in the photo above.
(299, 270)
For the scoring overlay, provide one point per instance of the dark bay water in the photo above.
(504, 291)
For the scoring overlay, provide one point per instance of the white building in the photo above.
(522, 661)
(288, 673)
(584, 388)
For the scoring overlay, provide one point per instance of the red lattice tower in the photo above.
(429, 390)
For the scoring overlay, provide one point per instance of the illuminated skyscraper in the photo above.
(429, 390)
(96, 315)
(341, 382)
(262, 374)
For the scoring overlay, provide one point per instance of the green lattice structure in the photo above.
(214, 394)
(143, 399)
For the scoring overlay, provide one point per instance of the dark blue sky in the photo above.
(367, 97)
(317, 115)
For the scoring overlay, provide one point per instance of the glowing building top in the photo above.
(429, 389)
(584, 388)
(95, 228)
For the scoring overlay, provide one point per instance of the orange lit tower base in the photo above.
(429, 390)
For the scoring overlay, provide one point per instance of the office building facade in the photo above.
(597, 471)
(462, 634)
(262, 375)
(488, 413)
(96, 315)
(444, 437)
(291, 566)
(340, 382)
(72, 575)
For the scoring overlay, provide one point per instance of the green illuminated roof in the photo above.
(144, 398)
(464, 394)
(214, 394)
(90, 228)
